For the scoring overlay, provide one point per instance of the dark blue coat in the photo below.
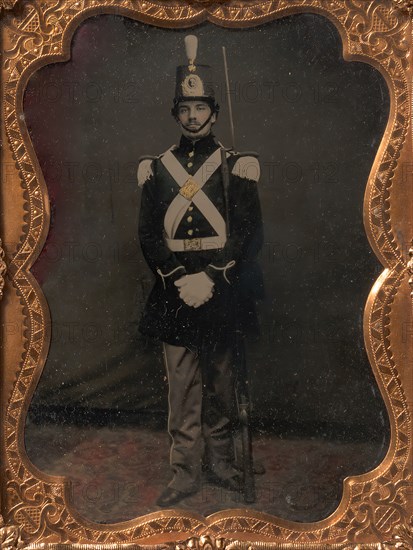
(232, 307)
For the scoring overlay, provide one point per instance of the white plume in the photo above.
(191, 46)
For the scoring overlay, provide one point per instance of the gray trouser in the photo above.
(201, 409)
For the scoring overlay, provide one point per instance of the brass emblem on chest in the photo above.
(189, 189)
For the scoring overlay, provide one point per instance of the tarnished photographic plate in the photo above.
(206, 273)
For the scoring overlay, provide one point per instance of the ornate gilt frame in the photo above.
(376, 510)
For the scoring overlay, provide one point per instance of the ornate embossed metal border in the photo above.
(7, 4)
(376, 507)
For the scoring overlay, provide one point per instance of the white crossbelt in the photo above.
(179, 205)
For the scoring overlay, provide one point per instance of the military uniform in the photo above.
(189, 223)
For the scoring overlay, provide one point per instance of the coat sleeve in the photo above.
(159, 258)
(246, 229)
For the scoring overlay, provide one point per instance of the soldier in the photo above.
(200, 229)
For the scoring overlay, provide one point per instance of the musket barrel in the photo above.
(231, 119)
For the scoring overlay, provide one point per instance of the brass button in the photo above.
(190, 232)
(189, 219)
(191, 154)
(190, 164)
(190, 208)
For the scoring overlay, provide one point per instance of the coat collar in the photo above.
(207, 144)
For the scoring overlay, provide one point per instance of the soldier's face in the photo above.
(192, 116)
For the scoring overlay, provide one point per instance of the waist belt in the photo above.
(202, 243)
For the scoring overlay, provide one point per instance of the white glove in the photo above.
(195, 290)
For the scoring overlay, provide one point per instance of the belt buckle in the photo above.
(192, 244)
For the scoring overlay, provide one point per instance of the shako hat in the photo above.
(194, 82)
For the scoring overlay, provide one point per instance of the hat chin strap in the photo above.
(200, 128)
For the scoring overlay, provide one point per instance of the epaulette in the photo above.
(243, 153)
(247, 165)
(145, 169)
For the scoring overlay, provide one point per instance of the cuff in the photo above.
(212, 273)
(173, 275)
(215, 272)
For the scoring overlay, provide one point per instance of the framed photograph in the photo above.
(206, 269)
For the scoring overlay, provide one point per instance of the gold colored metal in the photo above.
(192, 244)
(10, 536)
(402, 537)
(410, 268)
(377, 506)
(404, 4)
(189, 189)
(3, 269)
(7, 4)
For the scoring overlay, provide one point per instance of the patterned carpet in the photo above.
(116, 473)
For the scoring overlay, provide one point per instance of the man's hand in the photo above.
(195, 290)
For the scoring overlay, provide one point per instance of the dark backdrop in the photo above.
(316, 121)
